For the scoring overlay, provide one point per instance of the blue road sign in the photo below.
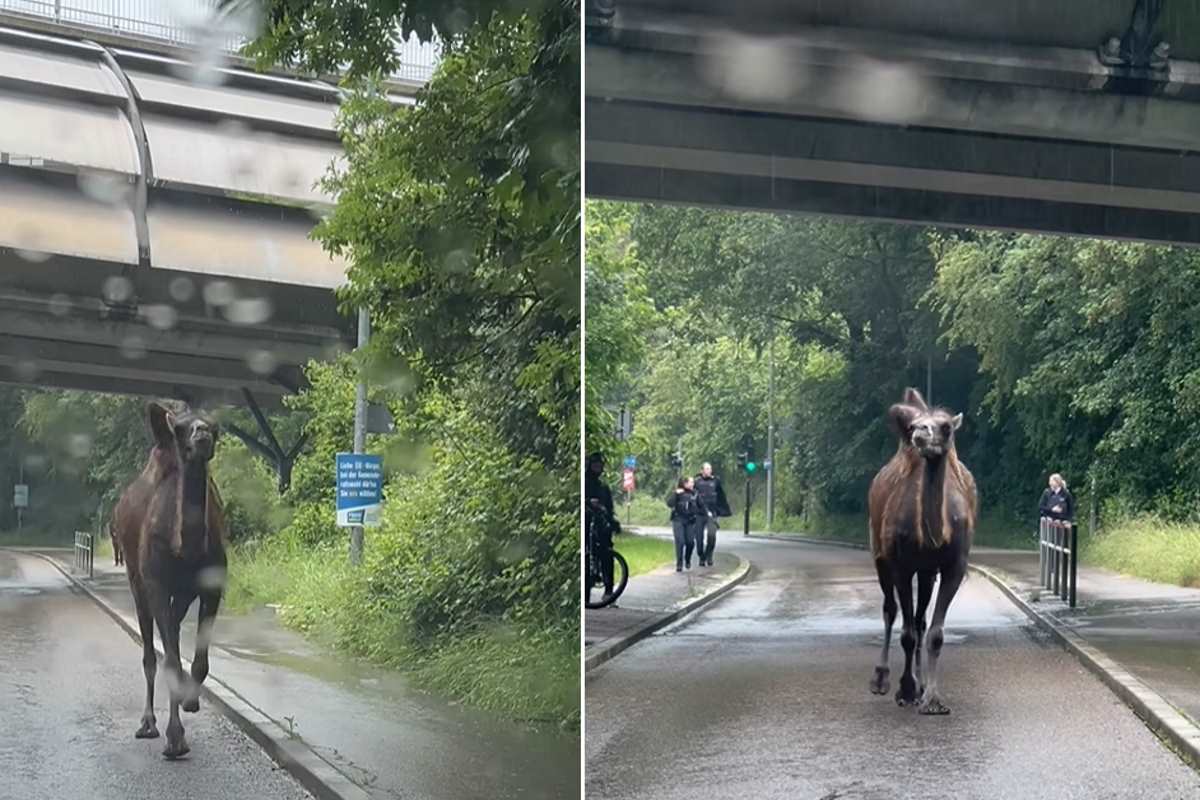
(631, 462)
(359, 489)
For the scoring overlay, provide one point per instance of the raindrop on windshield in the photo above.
(182, 289)
(248, 311)
(219, 293)
(26, 370)
(79, 445)
(162, 317)
(133, 347)
(261, 362)
(117, 289)
(752, 68)
(883, 92)
(60, 304)
(104, 187)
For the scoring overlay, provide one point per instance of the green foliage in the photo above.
(645, 553)
(1150, 548)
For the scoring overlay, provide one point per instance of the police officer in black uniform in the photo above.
(713, 494)
(598, 512)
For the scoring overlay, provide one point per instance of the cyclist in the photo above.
(600, 518)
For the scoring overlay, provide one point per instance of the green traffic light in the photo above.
(751, 466)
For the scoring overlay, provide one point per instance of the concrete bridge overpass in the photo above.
(1067, 116)
(154, 222)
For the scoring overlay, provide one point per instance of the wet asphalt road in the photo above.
(764, 695)
(71, 696)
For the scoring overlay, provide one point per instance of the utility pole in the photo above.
(360, 424)
(771, 429)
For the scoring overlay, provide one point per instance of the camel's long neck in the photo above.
(193, 502)
(933, 490)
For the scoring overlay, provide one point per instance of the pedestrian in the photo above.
(687, 517)
(712, 493)
(1057, 502)
(600, 519)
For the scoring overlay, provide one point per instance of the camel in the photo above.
(170, 528)
(923, 506)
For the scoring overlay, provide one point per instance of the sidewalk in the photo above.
(651, 598)
(368, 723)
(1148, 628)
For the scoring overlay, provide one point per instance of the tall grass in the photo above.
(645, 553)
(1150, 548)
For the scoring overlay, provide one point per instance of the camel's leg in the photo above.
(907, 693)
(924, 593)
(209, 603)
(879, 681)
(931, 702)
(165, 613)
(149, 727)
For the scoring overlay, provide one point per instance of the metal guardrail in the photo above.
(1058, 556)
(84, 553)
(153, 19)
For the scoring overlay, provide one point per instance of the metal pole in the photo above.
(746, 528)
(1042, 550)
(771, 432)
(21, 480)
(1074, 561)
(360, 426)
(1092, 511)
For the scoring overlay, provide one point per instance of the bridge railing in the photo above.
(84, 553)
(1058, 556)
(153, 19)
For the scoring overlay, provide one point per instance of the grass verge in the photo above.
(644, 553)
(1149, 548)
(526, 674)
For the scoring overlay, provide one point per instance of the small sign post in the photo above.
(359, 490)
(629, 483)
(21, 495)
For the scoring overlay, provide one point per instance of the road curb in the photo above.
(303, 763)
(1174, 728)
(660, 621)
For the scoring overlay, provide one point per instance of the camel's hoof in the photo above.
(906, 695)
(148, 731)
(177, 750)
(879, 681)
(933, 707)
(191, 705)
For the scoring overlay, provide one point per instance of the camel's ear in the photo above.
(956, 421)
(162, 424)
(900, 418)
(913, 398)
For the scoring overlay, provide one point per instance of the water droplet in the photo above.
(211, 578)
(219, 293)
(60, 304)
(458, 260)
(181, 289)
(34, 256)
(117, 289)
(133, 347)
(162, 317)
(249, 311)
(26, 370)
(30, 244)
(883, 92)
(105, 187)
(79, 445)
(261, 362)
(752, 68)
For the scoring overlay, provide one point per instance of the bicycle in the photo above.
(594, 574)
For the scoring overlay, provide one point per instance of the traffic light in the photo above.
(746, 464)
(751, 467)
(742, 459)
(676, 460)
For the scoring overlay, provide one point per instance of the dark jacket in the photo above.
(713, 494)
(1060, 498)
(595, 488)
(685, 505)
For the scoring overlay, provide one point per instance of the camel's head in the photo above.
(189, 433)
(929, 431)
